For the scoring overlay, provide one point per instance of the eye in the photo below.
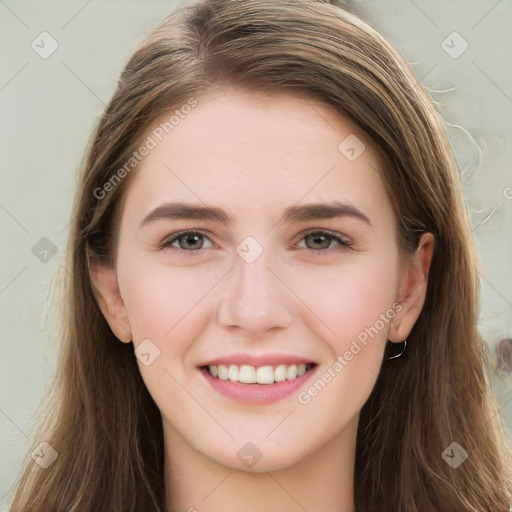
(321, 241)
(188, 241)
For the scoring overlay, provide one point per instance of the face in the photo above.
(279, 265)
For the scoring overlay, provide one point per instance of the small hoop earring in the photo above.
(400, 354)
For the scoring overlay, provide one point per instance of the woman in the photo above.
(273, 295)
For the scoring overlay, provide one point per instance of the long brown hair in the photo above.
(102, 421)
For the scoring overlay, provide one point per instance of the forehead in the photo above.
(241, 150)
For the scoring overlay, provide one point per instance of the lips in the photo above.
(260, 379)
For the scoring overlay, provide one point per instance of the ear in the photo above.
(104, 281)
(412, 289)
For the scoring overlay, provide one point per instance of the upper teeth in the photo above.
(248, 374)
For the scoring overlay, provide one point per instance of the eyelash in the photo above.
(346, 244)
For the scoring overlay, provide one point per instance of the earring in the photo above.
(396, 356)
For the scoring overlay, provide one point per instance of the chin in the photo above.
(256, 454)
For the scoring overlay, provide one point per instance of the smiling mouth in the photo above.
(248, 374)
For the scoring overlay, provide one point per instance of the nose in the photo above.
(255, 299)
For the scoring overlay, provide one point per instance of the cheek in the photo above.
(168, 306)
(160, 299)
(352, 302)
(357, 304)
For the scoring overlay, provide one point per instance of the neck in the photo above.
(322, 481)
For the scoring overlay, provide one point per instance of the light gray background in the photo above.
(49, 106)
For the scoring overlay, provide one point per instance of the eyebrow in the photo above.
(292, 214)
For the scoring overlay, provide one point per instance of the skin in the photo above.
(254, 156)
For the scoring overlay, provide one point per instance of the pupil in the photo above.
(318, 239)
(188, 238)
